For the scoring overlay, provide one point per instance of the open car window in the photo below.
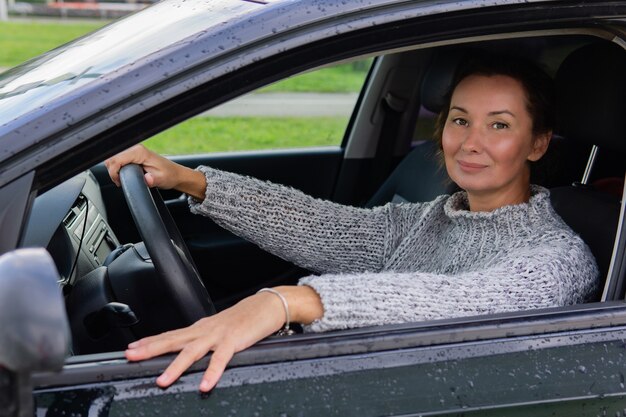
(312, 109)
(405, 77)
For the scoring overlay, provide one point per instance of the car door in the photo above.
(566, 360)
(541, 364)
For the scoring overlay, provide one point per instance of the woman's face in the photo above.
(487, 141)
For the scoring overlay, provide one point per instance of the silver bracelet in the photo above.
(286, 330)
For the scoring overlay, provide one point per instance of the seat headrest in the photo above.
(591, 96)
(438, 78)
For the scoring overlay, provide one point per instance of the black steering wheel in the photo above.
(166, 247)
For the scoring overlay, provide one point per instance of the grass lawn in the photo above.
(20, 41)
(216, 134)
(344, 78)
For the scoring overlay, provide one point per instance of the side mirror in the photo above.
(34, 330)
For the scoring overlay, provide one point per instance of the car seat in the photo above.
(421, 176)
(591, 102)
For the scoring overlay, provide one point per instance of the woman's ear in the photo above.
(540, 146)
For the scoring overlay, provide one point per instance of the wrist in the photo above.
(191, 182)
(275, 306)
(305, 305)
(285, 327)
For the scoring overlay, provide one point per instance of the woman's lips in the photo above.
(470, 166)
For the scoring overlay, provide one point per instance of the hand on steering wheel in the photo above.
(165, 245)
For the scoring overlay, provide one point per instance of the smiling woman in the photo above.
(497, 246)
(487, 148)
(498, 120)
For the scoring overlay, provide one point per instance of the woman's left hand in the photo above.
(225, 334)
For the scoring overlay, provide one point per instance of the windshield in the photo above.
(64, 69)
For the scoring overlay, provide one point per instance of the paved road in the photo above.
(56, 19)
(288, 105)
(285, 105)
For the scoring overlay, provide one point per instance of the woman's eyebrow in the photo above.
(491, 113)
(458, 108)
(495, 113)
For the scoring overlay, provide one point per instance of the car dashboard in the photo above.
(70, 221)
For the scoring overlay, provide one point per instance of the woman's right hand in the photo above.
(159, 171)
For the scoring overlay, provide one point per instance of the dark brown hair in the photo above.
(537, 85)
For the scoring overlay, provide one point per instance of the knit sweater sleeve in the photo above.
(537, 278)
(319, 235)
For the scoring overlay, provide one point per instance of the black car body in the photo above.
(61, 114)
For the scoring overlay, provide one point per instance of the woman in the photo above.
(497, 246)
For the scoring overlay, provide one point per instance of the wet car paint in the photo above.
(569, 372)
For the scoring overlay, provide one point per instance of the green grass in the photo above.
(344, 78)
(215, 134)
(20, 41)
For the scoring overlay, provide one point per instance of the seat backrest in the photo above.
(591, 107)
(419, 177)
(593, 215)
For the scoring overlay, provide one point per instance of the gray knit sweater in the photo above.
(409, 262)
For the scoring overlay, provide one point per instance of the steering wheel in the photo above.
(166, 246)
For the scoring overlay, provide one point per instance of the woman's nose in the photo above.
(471, 142)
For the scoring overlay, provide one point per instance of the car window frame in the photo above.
(615, 286)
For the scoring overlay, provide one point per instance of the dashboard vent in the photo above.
(75, 211)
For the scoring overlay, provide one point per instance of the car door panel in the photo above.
(421, 371)
(231, 266)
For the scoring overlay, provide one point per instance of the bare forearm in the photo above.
(305, 305)
(191, 182)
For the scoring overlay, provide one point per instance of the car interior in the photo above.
(387, 156)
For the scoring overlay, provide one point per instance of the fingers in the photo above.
(133, 155)
(152, 346)
(225, 333)
(114, 170)
(149, 178)
(189, 354)
(193, 344)
(187, 357)
(219, 360)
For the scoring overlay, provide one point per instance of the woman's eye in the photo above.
(459, 121)
(499, 125)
